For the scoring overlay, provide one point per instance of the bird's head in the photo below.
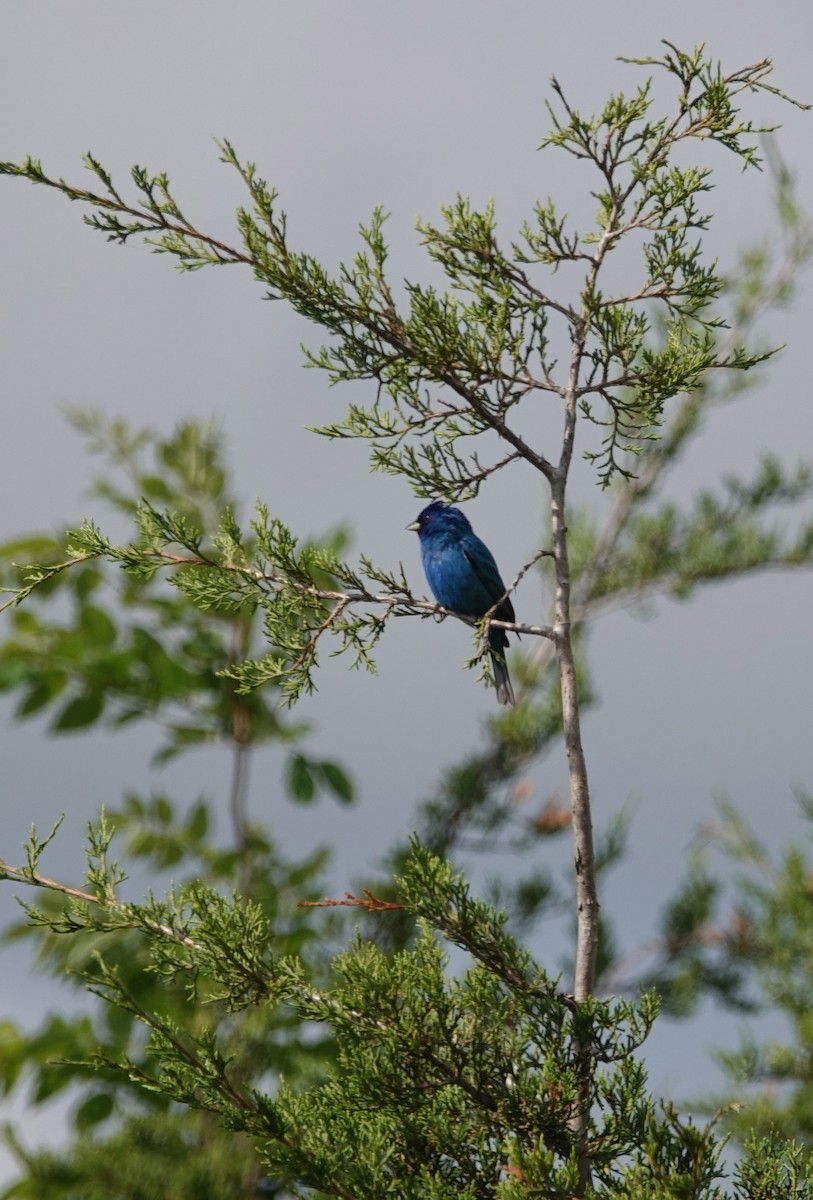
(438, 517)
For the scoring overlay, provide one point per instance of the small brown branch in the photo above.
(180, 560)
(520, 280)
(497, 466)
(158, 221)
(34, 879)
(512, 626)
(605, 385)
(647, 292)
(477, 402)
(19, 594)
(404, 604)
(367, 901)
(333, 616)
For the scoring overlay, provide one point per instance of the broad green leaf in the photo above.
(25, 621)
(96, 1108)
(86, 581)
(97, 625)
(78, 713)
(197, 822)
(161, 809)
(13, 671)
(336, 781)
(37, 698)
(299, 779)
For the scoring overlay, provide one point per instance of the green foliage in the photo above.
(113, 1113)
(442, 1080)
(447, 1084)
(114, 647)
(774, 1169)
(486, 342)
(771, 943)
(175, 1156)
(108, 647)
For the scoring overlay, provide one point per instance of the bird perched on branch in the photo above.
(463, 576)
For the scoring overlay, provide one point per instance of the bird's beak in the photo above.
(414, 527)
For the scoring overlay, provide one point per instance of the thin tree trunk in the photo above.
(582, 822)
(586, 897)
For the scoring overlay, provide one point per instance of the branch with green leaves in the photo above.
(489, 1052)
(306, 594)
(453, 1083)
(456, 365)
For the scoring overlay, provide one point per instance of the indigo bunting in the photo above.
(463, 576)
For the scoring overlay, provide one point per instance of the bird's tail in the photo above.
(502, 680)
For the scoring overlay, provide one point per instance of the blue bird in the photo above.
(463, 576)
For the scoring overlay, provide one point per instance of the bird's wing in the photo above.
(482, 563)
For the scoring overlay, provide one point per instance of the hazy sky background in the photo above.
(344, 106)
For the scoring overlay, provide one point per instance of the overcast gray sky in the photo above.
(344, 106)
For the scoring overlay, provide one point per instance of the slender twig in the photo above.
(404, 603)
(34, 879)
(240, 739)
(367, 901)
(154, 220)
